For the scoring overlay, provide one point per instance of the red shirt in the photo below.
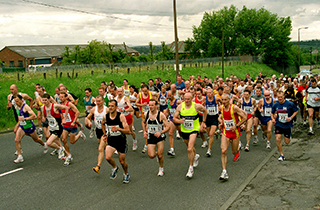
(70, 117)
(302, 90)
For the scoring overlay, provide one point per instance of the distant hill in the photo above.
(145, 49)
(306, 45)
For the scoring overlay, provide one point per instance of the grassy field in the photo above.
(86, 79)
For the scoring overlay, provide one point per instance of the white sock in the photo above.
(224, 171)
(310, 128)
(171, 149)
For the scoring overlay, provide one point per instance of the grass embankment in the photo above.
(85, 79)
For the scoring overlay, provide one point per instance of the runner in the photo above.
(211, 104)
(124, 107)
(116, 139)
(230, 125)
(70, 127)
(153, 130)
(50, 111)
(89, 103)
(143, 103)
(97, 113)
(282, 114)
(248, 104)
(26, 126)
(133, 97)
(265, 107)
(173, 103)
(257, 96)
(162, 99)
(198, 99)
(302, 103)
(186, 114)
(126, 88)
(11, 102)
(313, 104)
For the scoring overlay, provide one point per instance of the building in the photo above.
(22, 56)
(181, 48)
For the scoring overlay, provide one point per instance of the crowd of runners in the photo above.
(185, 108)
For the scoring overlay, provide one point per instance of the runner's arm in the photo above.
(176, 115)
(31, 113)
(165, 123)
(125, 125)
(242, 114)
(27, 98)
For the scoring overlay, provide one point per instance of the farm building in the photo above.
(20, 56)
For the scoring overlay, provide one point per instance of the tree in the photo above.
(151, 50)
(246, 32)
(165, 53)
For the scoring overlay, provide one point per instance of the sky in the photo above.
(135, 22)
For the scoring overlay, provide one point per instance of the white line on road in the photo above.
(10, 172)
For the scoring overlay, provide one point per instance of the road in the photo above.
(45, 183)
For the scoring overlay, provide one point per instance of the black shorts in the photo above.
(315, 108)
(212, 120)
(136, 109)
(285, 132)
(99, 133)
(200, 118)
(45, 124)
(257, 114)
(119, 143)
(154, 140)
(187, 135)
(29, 131)
(57, 132)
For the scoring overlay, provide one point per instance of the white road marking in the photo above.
(10, 172)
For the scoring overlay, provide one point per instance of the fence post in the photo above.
(76, 75)
(91, 73)
(128, 70)
(56, 73)
(163, 66)
(60, 74)
(208, 64)
(45, 75)
(18, 76)
(196, 65)
(157, 68)
(72, 73)
(104, 71)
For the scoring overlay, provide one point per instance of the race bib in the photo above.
(68, 119)
(172, 111)
(145, 108)
(283, 117)
(212, 110)
(267, 111)
(98, 121)
(114, 133)
(126, 92)
(153, 129)
(162, 101)
(188, 124)
(53, 125)
(22, 123)
(248, 109)
(228, 124)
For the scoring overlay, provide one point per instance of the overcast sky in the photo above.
(136, 22)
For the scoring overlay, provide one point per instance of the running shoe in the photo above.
(40, 136)
(45, 148)
(247, 148)
(113, 174)
(54, 152)
(196, 160)
(224, 176)
(268, 145)
(161, 172)
(61, 153)
(204, 144)
(135, 145)
(178, 135)
(171, 153)
(40, 131)
(67, 161)
(281, 158)
(255, 140)
(91, 133)
(133, 128)
(19, 159)
(240, 145)
(311, 133)
(259, 127)
(264, 136)
(304, 122)
(145, 148)
(237, 156)
(16, 153)
(81, 127)
(126, 178)
(208, 154)
(82, 135)
(190, 173)
(96, 169)
(116, 152)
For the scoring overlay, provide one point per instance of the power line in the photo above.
(95, 14)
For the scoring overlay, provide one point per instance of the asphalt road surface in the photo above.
(44, 182)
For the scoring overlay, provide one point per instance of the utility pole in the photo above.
(176, 37)
(222, 60)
